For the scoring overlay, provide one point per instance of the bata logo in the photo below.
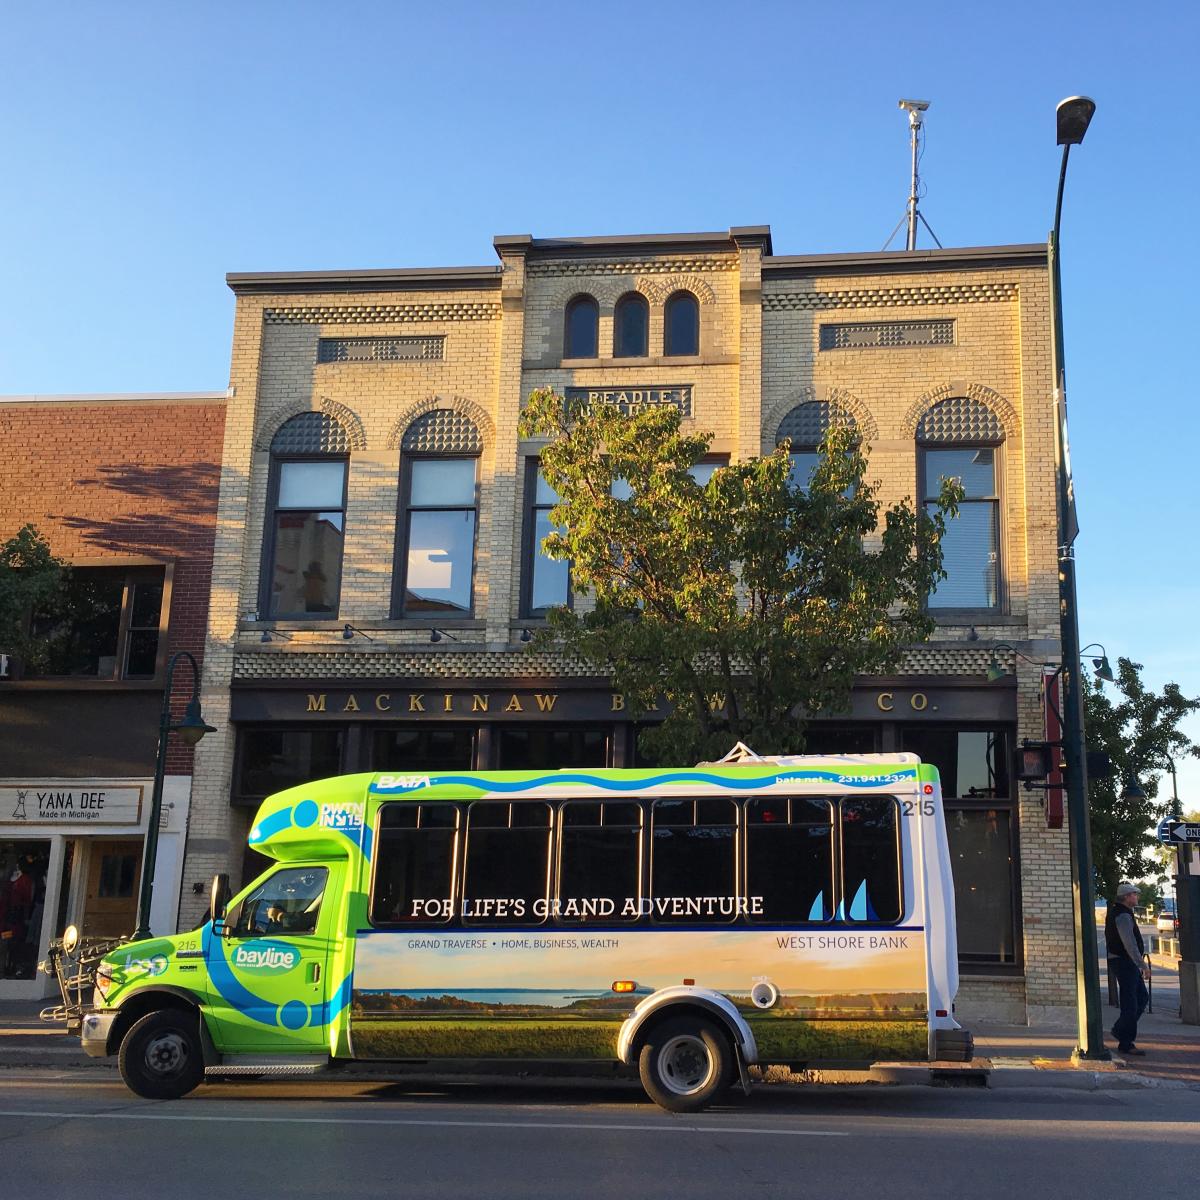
(404, 781)
(265, 958)
(341, 816)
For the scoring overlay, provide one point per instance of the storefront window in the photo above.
(536, 747)
(23, 867)
(981, 826)
(420, 748)
(270, 760)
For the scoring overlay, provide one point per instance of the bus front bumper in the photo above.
(94, 1031)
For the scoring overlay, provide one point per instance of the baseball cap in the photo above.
(1127, 889)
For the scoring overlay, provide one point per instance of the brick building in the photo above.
(376, 564)
(124, 488)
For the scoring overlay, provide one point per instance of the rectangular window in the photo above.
(971, 547)
(973, 763)
(506, 873)
(538, 747)
(439, 528)
(423, 748)
(308, 524)
(545, 581)
(870, 860)
(789, 858)
(599, 861)
(693, 860)
(415, 851)
(289, 902)
(107, 623)
(270, 760)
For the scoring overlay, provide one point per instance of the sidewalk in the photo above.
(1005, 1055)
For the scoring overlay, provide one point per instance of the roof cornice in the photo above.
(905, 262)
(402, 279)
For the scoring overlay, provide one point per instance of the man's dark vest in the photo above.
(1112, 939)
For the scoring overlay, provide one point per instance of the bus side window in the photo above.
(870, 860)
(414, 864)
(789, 859)
(599, 861)
(506, 864)
(288, 902)
(693, 860)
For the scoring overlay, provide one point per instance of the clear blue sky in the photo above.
(150, 147)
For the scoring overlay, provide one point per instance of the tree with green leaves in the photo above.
(31, 579)
(1139, 731)
(746, 602)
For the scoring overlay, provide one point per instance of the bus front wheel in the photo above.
(685, 1064)
(161, 1056)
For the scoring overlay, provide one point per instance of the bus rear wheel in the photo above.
(685, 1064)
(161, 1057)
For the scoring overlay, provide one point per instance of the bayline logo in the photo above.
(265, 958)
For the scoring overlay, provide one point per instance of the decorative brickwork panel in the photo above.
(892, 297)
(380, 349)
(960, 419)
(378, 314)
(807, 424)
(885, 335)
(640, 266)
(442, 431)
(311, 433)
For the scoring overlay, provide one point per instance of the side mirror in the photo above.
(218, 896)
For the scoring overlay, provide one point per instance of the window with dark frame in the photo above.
(789, 858)
(107, 624)
(436, 568)
(581, 333)
(960, 438)
(631, 327)
(305, 530)
(693, 859)
(416, 849)
(599, 859)
(870, 860)
(681, 325)
(981, 828)
(506, 863)
(271, 759)
(545, 581)
(423, 748)
(548, 747)
(805, 427)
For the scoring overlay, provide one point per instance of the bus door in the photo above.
(269, 971)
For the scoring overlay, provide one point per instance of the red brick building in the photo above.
(124, 489)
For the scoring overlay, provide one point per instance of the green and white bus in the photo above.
(688, 922)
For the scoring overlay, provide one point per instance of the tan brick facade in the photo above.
(760, 356)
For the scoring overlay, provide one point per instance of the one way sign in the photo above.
(1178, 833)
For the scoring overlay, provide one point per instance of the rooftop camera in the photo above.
(914, 105)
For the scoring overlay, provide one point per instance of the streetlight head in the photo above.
(995, 672)
(1103, 669)
(192, 728)
(1133, 791)
(1074, 116)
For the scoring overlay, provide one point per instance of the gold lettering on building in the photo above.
(447, 701)
(546, 703)
(918, 701)
(884, 701)
(316, 703)
(351, 704)
(479, 703)
(514, 705)
(383, 702)
(618, 702)
(415, 702)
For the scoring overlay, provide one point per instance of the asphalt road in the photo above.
(64, 1135)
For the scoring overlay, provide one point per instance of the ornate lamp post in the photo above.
(191, 728)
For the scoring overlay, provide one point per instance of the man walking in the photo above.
(1127, 965)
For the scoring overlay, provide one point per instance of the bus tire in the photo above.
(685, 1064)
(161, 1057)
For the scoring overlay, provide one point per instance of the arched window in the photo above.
(631, 327)
(805, 427)
(960, 438)
(581, 332)
(302, 560)
(681, 325)
(435, 565)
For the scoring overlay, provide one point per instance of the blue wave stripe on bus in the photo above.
(275, 823)
(606, 783)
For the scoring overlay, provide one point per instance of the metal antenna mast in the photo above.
(912, 213)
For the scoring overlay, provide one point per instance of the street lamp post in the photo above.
(1074, 115)
(191, 728)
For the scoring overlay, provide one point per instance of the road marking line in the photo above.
(592, 1126)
